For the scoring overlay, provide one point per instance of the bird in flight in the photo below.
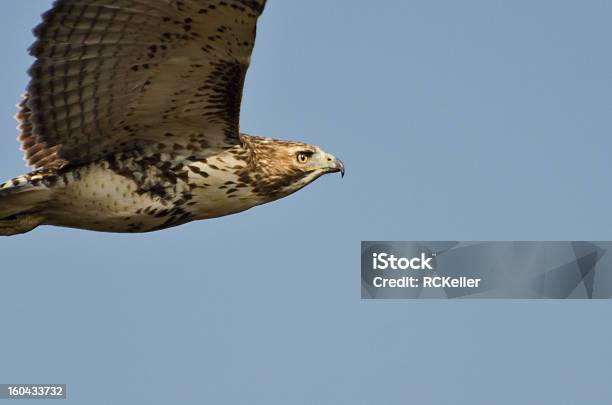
(131, 120)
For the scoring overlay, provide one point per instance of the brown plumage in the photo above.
(131, 119)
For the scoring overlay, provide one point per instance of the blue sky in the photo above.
(473, 120)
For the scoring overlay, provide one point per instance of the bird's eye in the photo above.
(303, 157)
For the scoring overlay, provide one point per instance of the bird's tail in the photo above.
(21, 204)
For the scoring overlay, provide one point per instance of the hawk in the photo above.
(131, 120)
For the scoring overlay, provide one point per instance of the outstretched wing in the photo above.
(113, 75)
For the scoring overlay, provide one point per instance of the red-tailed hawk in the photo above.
(131, 120)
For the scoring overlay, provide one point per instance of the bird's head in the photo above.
(283, 167)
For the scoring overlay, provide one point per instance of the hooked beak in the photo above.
(335, 165)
